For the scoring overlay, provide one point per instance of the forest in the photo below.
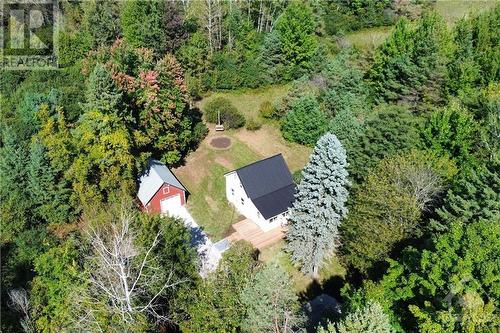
(399, 188)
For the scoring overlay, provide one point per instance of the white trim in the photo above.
(166, 187)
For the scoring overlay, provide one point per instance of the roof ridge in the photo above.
(263, 195)
(262, 160)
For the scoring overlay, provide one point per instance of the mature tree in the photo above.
(49, 192)
(305, 123)
(271, 58)
(102, 93)
(346, 127)
(486, 40)
(411, 64)
(463, 69)
(215, 305)
(194, 56)
(142, 24)
(58, 272)
(452, 132)
(371, 318)
(14, 208)
(345, 88)
(104, 166)
(270, 302)
(161, 120)
(388, 205)
(157, 25)
(101, 21)
(472, 198)
(389, 130)
(319, 206)
(295, 28)
(450, 287)
(124, 278)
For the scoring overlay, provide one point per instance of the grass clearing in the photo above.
(368, 39)
(203, 171)
(332, 268)
(248, 101)
(203, 175)
(453, 10)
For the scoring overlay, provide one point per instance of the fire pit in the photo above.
(221, 142)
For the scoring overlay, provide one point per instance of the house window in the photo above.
(242, 201)
(258, 215)
(272, 219)
(166, 189)
(232, 191)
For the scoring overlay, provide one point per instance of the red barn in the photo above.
(159, 190)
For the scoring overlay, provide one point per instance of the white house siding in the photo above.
(235, 192)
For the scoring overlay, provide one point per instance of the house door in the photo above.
(171, 205)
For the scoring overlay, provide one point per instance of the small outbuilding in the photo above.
(262, 191)
(159, 190)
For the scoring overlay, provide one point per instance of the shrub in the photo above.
(253, 125)
(229, 114)
(266, 110)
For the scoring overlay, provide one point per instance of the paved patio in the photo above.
(249, 231)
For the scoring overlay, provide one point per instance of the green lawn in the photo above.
(203, 172)
(207, 200)
(275, 254)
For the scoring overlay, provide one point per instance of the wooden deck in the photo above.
(251, 232)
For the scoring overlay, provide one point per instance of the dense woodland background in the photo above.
(406, 142)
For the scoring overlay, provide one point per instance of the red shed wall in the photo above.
(154, 204)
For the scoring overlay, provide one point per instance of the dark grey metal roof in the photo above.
(269, 185)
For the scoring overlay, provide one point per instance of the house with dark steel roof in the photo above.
(159, 190)
(262, 191)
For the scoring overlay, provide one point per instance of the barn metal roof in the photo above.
(269, 185)
(153, 178)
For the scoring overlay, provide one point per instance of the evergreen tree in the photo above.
(319, 206)
(371, 318)
(101, 21)
(102, 93)
(268, 308)
(387, 131)
(410, 65)
(295, 28)
(345, 86)
(474, 197)
(346, 127)
(14, 206)
(47, 188)
(463, 70)
(452, 132)
(305, 123)
(157, 25)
